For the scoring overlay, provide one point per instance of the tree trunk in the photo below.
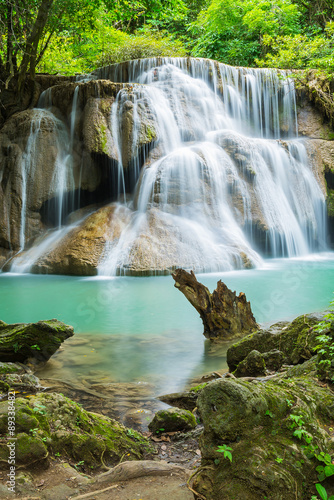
(224, 315)
(40, 340)
(30, 53)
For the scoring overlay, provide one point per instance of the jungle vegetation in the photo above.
(76, 36)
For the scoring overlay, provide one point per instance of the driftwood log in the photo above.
(224, 314)
(40, 341)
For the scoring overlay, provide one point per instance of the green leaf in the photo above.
(329, 470)
(322, 492)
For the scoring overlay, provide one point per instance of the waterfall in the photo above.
(226, 185)
(62, 185)
(210, 172)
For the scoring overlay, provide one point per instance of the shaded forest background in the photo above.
(76, 36)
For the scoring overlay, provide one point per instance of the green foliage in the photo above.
(41, 409)
(300, 51)
(141, 45)
(327, 469)
(231, 30)
(325, 348)
(76, 36)
(323, 493)
(102, 44)
(226, 450)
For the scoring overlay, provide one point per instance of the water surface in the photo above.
(144, 330)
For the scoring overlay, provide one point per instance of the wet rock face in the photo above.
(67, 147)
(257, 421)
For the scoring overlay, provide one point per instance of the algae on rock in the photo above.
(40, 340)
(53, 423)
(257, 420)
(296, 340)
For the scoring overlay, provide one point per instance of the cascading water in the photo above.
(224, 175)
(210, 172)
(62, 181)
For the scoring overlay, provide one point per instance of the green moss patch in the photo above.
(53, 423)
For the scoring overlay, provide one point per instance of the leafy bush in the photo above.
(142, 45)
(231, 30)
(105, 45)
(300, 51)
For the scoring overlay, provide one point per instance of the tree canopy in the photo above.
(75, 36)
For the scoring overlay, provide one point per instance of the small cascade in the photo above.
(24, 262)
(62, 185)
(29, 161)
(74, 116)
(45, 99)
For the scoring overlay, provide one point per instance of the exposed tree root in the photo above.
(138, 468)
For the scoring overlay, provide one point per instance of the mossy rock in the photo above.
(67, 429)
(171, 420)
(258, 420)
(10, 368)
(252, 366)
(40, 340)
(186, 400)
(27, 450)
(330, 202)
(273, 359)
(24, 381)
(296, 340)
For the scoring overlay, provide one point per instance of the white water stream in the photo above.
(225, 181)
(223, 169)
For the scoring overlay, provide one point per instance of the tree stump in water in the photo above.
(40, 341)
(224, 314)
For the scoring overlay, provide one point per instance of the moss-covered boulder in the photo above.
(274, 428)
(10, 367)
(186, 400)
(21, 341)
(172, 419)
(52, 423)
(296, 340)
(252, 366)
(273, 359)
(22, 381)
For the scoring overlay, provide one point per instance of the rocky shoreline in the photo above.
(273, 412)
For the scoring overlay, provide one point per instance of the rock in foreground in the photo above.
(52, 422)
(272, 428)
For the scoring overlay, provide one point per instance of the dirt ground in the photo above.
(59, 480)
(62, 482)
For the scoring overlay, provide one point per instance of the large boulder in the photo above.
(296, 340)
(21, 341)
(82, 249)
(172, 420)
(52, 423)
(270, 428)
